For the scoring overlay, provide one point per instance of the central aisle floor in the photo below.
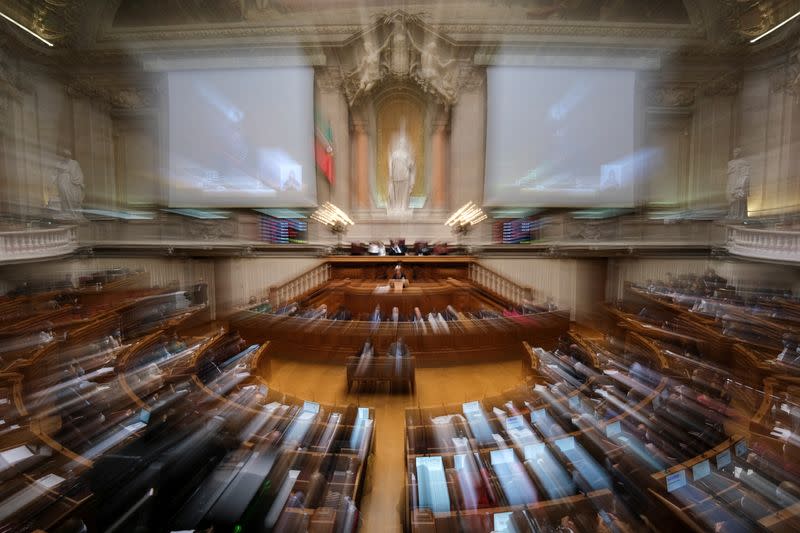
(381, 505)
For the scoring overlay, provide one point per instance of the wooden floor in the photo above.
(381, 505)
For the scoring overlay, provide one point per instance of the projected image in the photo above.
(559, 137)
(241, 139)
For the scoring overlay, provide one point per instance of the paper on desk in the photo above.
(50, 480)
(15, 455)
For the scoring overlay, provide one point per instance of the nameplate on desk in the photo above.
(515, 422)
(723, 458)
(676, 481)
(504, 456)
(701, 470)
(740, 448)
(532, 451)
(566, 444)
(614, 428)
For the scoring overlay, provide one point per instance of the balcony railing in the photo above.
(25, 244)
(498, 284)
(778, 245)
(300, 285)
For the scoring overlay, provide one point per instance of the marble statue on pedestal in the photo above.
(68, 181)
(402, 174)
(738, 185)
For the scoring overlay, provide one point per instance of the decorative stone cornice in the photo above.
(671, 96)
(727, 84)
(787, 77)
(121, 98)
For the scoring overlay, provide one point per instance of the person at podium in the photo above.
(398, 278)
(398, 273)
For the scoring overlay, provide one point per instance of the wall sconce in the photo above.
(467, 216)
(333, 218)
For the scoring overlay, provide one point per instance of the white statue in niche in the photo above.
(68, 181)
(738, 185)
(402, 173)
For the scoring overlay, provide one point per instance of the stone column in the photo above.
(439, 154)
(467, 142)
(360, 143)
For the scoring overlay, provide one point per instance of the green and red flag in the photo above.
(323, 149)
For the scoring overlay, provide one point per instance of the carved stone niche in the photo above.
(399, 48)
(400, 80)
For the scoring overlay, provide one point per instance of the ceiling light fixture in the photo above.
(787, 21)
(20, 26)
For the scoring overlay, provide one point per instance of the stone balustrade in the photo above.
(777, 245)
(26, 244)
(498, 284)
(300, 285)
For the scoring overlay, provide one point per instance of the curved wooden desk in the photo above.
(469, 341)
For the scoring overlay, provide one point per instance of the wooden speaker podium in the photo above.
(398, 284)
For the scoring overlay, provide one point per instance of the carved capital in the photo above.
(671, 96)
(328, 78)
(470, 77)
(359, 127)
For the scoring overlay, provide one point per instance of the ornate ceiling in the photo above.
(181, 12)
(97, 31)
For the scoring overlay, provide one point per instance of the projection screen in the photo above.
(242, 138)
(559, 137)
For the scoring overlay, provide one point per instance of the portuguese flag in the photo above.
(323, 149)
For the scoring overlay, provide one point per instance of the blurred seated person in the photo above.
(422, 248)
(375, 316)
(398, 349)
(395, 248)
(790, 353)
(376, 248)
(368, 350)
(342, 313)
